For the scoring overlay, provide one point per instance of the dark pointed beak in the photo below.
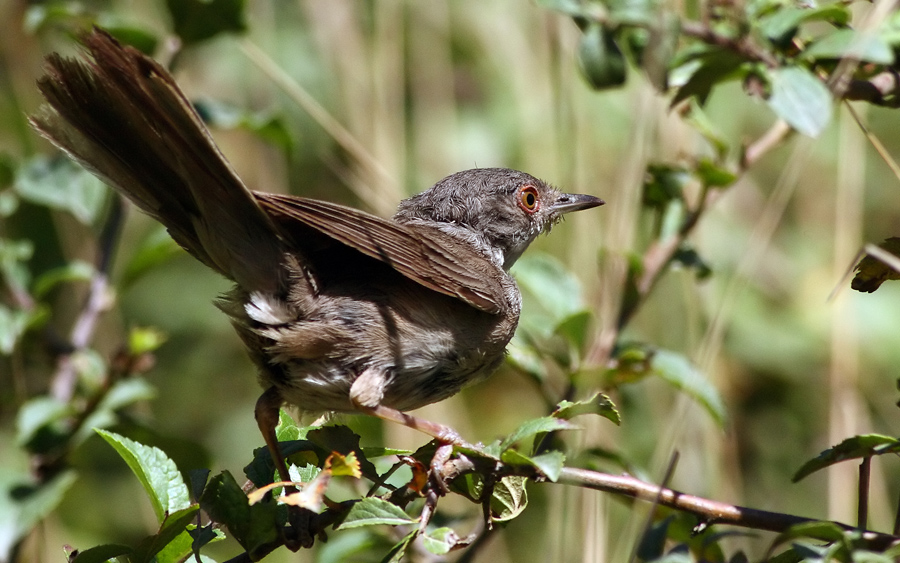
(567, 203)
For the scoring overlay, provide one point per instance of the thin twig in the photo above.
(865, 475)
(65, 378)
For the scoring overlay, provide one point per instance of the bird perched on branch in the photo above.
(339, 309)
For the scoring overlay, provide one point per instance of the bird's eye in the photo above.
(529, 200)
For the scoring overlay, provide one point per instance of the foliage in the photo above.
(584, 362)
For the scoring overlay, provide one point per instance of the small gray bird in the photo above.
(340, 310)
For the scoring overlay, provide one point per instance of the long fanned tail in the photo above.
(123, 117)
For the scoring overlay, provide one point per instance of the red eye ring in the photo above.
(529, 199)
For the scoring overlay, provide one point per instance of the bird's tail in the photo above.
(123, 117)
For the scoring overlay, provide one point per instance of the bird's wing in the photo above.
(425, 255)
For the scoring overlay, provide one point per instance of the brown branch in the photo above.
(709, 511)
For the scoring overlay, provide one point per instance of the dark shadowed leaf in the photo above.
(102, 553)
(711, 68)
(871, 272)
(198, 20)
(601, 60)
(172, 534)
(251, 525)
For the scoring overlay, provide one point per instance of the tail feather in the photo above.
(123, 117)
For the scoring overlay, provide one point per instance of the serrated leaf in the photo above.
(172, 526)
(680, 372)
(61, 184)
(800, 99)
(198, 20)
(341, 465)
(535, 426)
(856, 447)
(602, 62)
(598, 404)
(871, 272)
(851, 44)
(157, 473)
(372, 511)
(509, 499)
(252, 526)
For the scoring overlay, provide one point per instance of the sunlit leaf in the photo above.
(784, 21)
(157, 473)
(597, 404)
(852, 448)
(372, 511)
(443, 540)
(852, 44)
(73, 271)
(801, 99)
(102, 553)
(61, 184)
(680, 372)
(509, 499)
(535, 426)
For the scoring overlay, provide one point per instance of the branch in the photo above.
(709, 511)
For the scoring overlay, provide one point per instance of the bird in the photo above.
(340, 310)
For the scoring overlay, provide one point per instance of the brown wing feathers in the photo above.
(124, 117)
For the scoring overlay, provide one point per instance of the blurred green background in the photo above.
(423, 89)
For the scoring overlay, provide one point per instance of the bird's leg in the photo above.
(268, 408)
(366, 393)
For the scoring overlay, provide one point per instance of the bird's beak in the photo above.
(567, 203)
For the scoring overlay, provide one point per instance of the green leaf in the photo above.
(156, 472)
(395, 555)
(681, 373)
(782, 23)
(23, 503)
(378, 451)
(155, 249)
(13, 255)
(801, 99)
(600, 59)
(198, 20)
(103, 553)
(709, 69)
(61, 184)
(851, 44)
(13, 325)
(713, 175)
(574, 329)
(74, 271)
(42, 424)
(143, 340)
(598, 403)
(535, 426)
(509, 499)
(173, 526)
(372, 511)
(550, 463)
(856, 447)
(661, 47)
(139, 38)
(653, 541)
(550, 292)
(442, 541)
(253, 526)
